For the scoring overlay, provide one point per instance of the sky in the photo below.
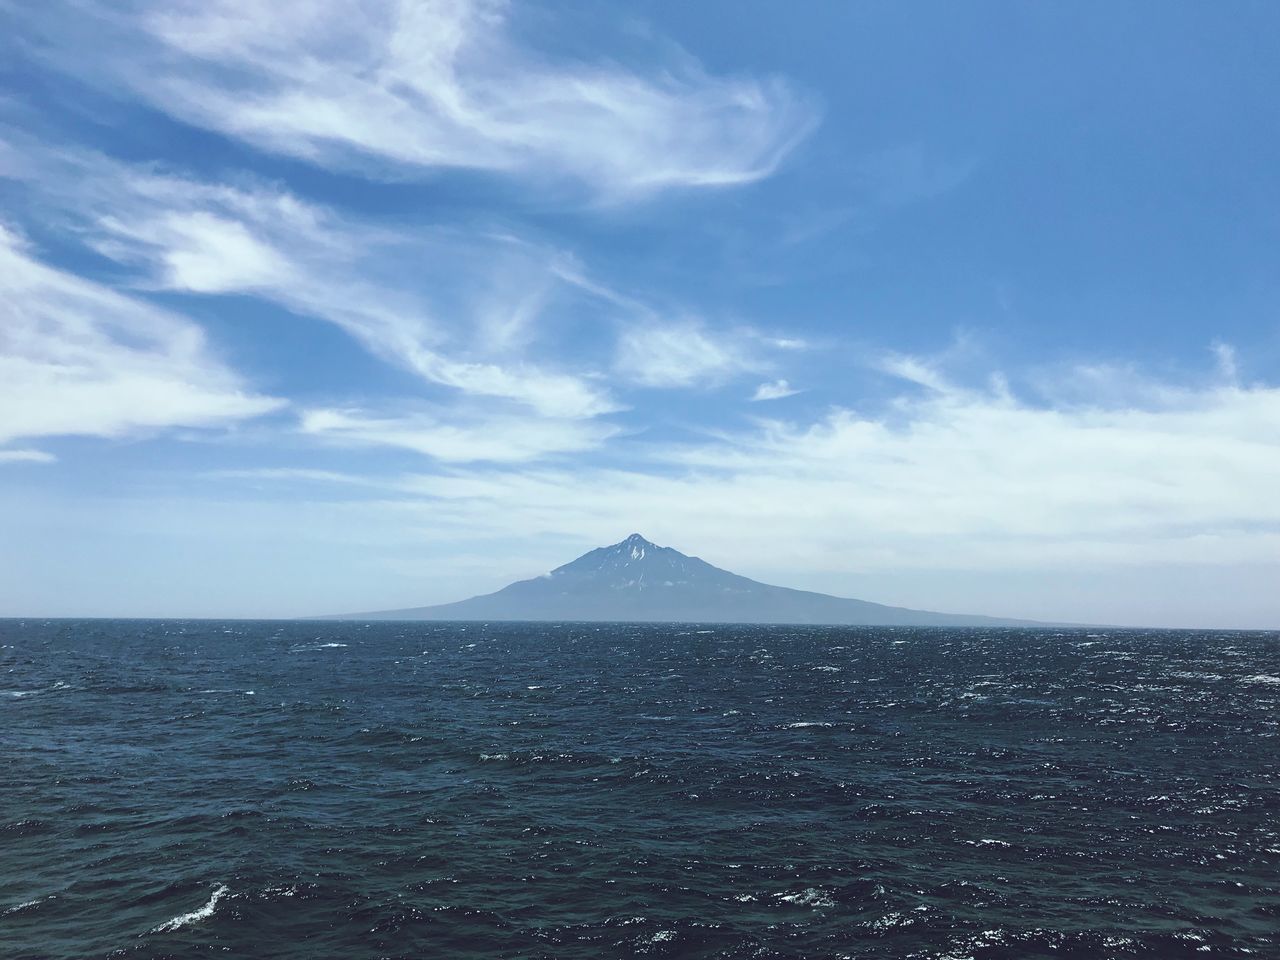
(309, 307)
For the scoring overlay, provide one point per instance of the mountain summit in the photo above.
(636, 580)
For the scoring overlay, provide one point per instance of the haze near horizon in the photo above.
(361, 306)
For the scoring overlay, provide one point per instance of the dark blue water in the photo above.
(300, 790)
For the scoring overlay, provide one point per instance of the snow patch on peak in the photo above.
(637, 553)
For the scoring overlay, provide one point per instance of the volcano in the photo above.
(638, 581)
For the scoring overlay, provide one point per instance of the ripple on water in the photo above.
(579, 791)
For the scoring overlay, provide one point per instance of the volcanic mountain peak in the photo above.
(637, 580)
(635, 547)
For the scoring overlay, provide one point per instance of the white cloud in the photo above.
(26, 456)
(1225, 354)
(498, 439)
(320, 265)
(968, 500)
(774, 390)
(303, 474)
(441, 83)
(438, 302)
(678, 355)
(965, 480)
(199, 251)
(78, 358)
(915, 370)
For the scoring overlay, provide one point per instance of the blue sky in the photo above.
(317, 307)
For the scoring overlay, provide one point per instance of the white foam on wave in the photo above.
(806, 724)
(195, 916)
(19, 694)
(892, 921)
(1261, 678)
(812, 897)
(28, 904)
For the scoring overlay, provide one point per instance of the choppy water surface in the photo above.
(294, 790)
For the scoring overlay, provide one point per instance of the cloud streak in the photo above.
(449, 305)
(416, 86)
(963, 480)
(773, 390)
(77, 358)
(656, 354)
(491, 438)
(463, 309)
(26, 456)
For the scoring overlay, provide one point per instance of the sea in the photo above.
(464, 790)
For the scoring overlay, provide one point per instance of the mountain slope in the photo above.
(635, 580)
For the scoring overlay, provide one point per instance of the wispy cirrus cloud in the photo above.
(962, 479)
(26, 455)
(774, 390)
(438, 84)
(1167, 489)
(77, 358)
(461, 308)
(488, 437)
(446, 304)
(682, 354)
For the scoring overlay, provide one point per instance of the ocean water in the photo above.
(346, 790)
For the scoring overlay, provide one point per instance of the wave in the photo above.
(887, 813)
(19, 694)
(24, 827)
(247, 693)
(195, 916)
(28, 905)
(811, 897)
